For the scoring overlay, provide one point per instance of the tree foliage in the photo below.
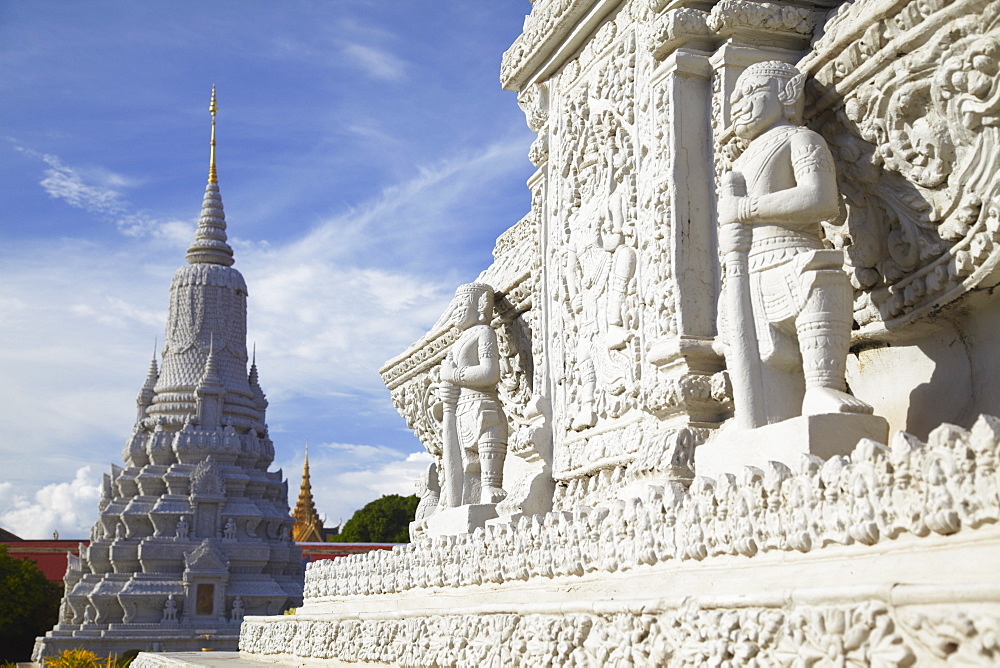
(29, 606)
(385, 520)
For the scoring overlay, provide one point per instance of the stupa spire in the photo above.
(152, 374)
(213, 176)
(308, 528)
(259, 399)
(148, 391)
(211, 376)
(210, 240)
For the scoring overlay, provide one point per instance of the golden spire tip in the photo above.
(213, 107)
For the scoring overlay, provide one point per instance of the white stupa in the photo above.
(195, 531)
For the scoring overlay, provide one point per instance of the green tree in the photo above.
(29, 606)
(385, 520)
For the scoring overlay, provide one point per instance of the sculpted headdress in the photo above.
(791, 84)
(483, 294)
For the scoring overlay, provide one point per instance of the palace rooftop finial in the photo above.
(308, 527)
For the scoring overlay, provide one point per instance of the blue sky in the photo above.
(368, 159)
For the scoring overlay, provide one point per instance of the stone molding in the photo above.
(569, 588)
(548, 24)
(692, 633)
(946, 486)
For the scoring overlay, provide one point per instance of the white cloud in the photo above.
(176, 233)
(415, 216)
(67, 507)
(377, 63)
(62, 182)
(320, 324)
(367, 129)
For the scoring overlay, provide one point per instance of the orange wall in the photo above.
(50, 555)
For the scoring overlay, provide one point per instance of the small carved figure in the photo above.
(182, 528)
(238, 611)
(783, 286)
(475, 424)
(229, 533)
(89, 615)
(429, 491)
(170, 609)
(65, 612)
(120, 531)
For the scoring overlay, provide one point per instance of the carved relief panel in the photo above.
(592, 243)
(910, 105)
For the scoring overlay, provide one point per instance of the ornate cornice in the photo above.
(547, 24)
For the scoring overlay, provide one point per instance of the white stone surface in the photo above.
(871, 539)
(197, 660)
(612, 547)
(824, 436)
(227, 660)
(460, 519)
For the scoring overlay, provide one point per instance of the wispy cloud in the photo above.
(377, 63)
(97, 191)
(118, 312)
(407, 218)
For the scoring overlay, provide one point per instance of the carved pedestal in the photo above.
(823, 436)
(463, 519)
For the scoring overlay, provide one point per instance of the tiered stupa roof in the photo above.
(195, 531)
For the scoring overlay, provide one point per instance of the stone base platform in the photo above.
(220, 660)
(895, 601)
(885, 557)
(121, 638)
(461, 520)
(823, 436)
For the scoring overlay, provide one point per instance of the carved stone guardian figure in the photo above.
(182, 528)
(238, 609)
(787, 300)
(469, 374)
(229, 532)
(170, 610)
(772, 203)
(598, 268)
